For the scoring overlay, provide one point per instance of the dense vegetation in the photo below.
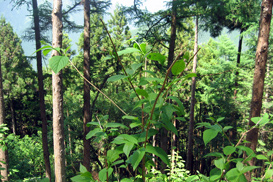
(151, 115)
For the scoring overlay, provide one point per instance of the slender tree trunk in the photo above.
(259, 74)
(164, 132)
(58, 121)
(189, 163)
(86, 96)
(268, 85)
(13, 122)
(3, 153)
(41, 88)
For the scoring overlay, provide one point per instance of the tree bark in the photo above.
(86, 96)
(58, 121)
(13, 122)
(3, 152)
(189, 163)
(41, 88)
(259, 74)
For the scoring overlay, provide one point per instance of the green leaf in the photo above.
(220, 119)
(116, 125)
(143, 48)
(130, 117)
(178, 67)
(128, 51)
(107, 57)
(124, 138)
(46, 51)
(227, 128)
(93, 133)
(234, 175)
(126, 180)
(118, 162)
(214, 154)
(215, 174)
(157, 57)
(137, 156)
(239, 166)
(103, 175)
(261, 157)
(92, 123)
(208, 135)
(169, 126)
(229, 150)
(112, 155)
(190, 75)
(127, 148)
(268, 173)
(57, 63)
(186, 56)
(116, 78)
(142, 92)
(249, 168)
(83, 169)
(220, 163)
(158, 152)
(203, 124)
(136, 66)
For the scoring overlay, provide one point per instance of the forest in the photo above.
(139, 97)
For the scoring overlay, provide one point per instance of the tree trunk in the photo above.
(58, 121)
(13, 123)
(86, 96)
(3, 153)
(259, 74)
(189, 163)
(41, 88)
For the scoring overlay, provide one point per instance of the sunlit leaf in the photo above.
(178, 67)
(57, 63)
(116, 78)
(208, 135)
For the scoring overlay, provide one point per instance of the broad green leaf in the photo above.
(157, 57)
(143, 48)
(178, 67)
(190, 75)
(158, 152)
(232, 175)
(220, 119)
(261, 157)
(268, 173)
(107, 57)
(180, 104)
(57, 63)
(118, 162)
(239, 166)
(220, 163)
(142, 92)
(116, 78)
(137, 46)
(93, 123)
(135, 124)
(46, 51)
(217, 128)
(137, 156)
(127, 148)
(83, 169)
(112, 155)
(208, 135)
(103, 175)
(115, 125)
(214, 154)
(215, 174)
(229, 150)
(80, 178)
(130, 117)
(136, 66)
(124, 138)
(93, 133)
(169, 126)
(186, 56)
(44, 180)
(227, 128)
(203, 124)
(249, 168)
(127, 51)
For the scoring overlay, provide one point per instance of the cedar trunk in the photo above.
(189, 163)
(58, 121)
(86, 96)
(3, 153)
(259, 74)
(41, 88)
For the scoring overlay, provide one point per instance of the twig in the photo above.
(119, 58)
(98, 89)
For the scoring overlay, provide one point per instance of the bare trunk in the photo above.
(259, 74)
(3, 153)
(13, 123)
(267, 87)
(41, 89)
(189, 163)
(86, 96)
(58, 121)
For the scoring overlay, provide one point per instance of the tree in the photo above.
(259, 74)
(193, 86)
(58, 120)
(41, 88)
(86, 96)
(3, 149)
